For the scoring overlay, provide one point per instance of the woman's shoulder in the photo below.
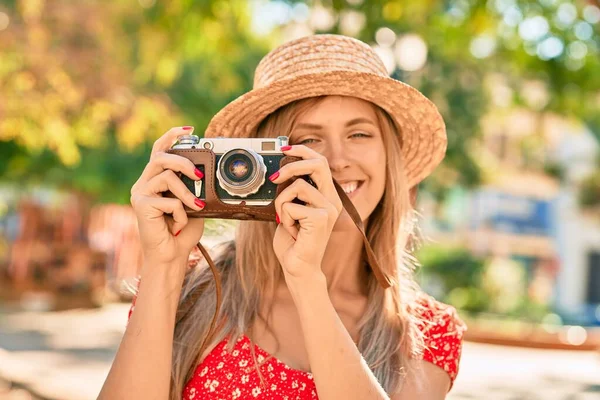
(443, 331)
(435, 314)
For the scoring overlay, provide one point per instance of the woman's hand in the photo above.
(162, 238)
(302, 236)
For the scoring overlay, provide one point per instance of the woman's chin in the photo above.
(345, 222)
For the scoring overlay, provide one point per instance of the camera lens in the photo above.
(238, 168)
(241, 172)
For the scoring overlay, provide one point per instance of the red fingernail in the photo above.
(178, 232)
(285, 148)
(274, 176)
(277, 219)
(200, 203)
(187, 128)
(198, 173)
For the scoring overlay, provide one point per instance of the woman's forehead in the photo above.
(338, 109)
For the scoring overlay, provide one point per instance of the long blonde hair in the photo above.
(389, 336)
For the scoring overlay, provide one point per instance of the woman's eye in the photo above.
(361, 134)
(307, 141)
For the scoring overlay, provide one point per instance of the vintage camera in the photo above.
(242, 167)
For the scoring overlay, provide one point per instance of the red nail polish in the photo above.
(200, 203)
(286, 148)
(178, 232)
(198, 173)
(277, 219)
(187, 128)
(274, 176)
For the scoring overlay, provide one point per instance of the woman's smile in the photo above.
(351, 188)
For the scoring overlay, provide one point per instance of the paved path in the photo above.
(67, 355)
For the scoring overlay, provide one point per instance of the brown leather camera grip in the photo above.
(215, 208)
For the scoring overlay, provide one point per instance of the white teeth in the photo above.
(349, 187)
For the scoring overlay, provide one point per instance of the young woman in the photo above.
(303, 314)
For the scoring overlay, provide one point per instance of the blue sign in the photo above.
(502, 212)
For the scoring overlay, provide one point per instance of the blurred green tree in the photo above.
(551, 42)
(81, 98)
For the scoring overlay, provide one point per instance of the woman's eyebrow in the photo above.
(354, 121)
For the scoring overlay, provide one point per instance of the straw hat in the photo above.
(327, 64)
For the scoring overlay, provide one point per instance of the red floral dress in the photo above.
(232, 375)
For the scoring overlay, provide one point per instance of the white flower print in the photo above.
(214, 379)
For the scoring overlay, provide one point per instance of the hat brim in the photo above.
(419, 123)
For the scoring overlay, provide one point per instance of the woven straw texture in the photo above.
(327, 64)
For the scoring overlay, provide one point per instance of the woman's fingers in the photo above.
(167, 180)
(314, 199)
(289, 224)
(309, 219)
(162, 161)
(166, 141)
(301, 190)
(316, 168)
(156, 207)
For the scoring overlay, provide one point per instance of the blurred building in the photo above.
(58, 243)
(529, 216)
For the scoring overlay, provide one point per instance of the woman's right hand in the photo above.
(167, 238)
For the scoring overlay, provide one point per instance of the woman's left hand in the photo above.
(302, 236)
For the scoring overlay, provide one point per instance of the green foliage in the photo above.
(589, 191)
(459, 273)
(554, 170)
(83, 98)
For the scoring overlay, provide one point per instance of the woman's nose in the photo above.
(337, 157)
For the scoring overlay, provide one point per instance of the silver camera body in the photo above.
(242, 167)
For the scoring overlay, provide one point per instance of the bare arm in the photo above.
(142, 366)
(432, 383)
(339, 370)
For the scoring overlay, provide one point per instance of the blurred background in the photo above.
(511, 220)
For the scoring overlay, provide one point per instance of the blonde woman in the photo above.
(303, 315)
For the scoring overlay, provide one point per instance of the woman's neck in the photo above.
(343, 263)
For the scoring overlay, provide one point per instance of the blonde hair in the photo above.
(389, 333)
